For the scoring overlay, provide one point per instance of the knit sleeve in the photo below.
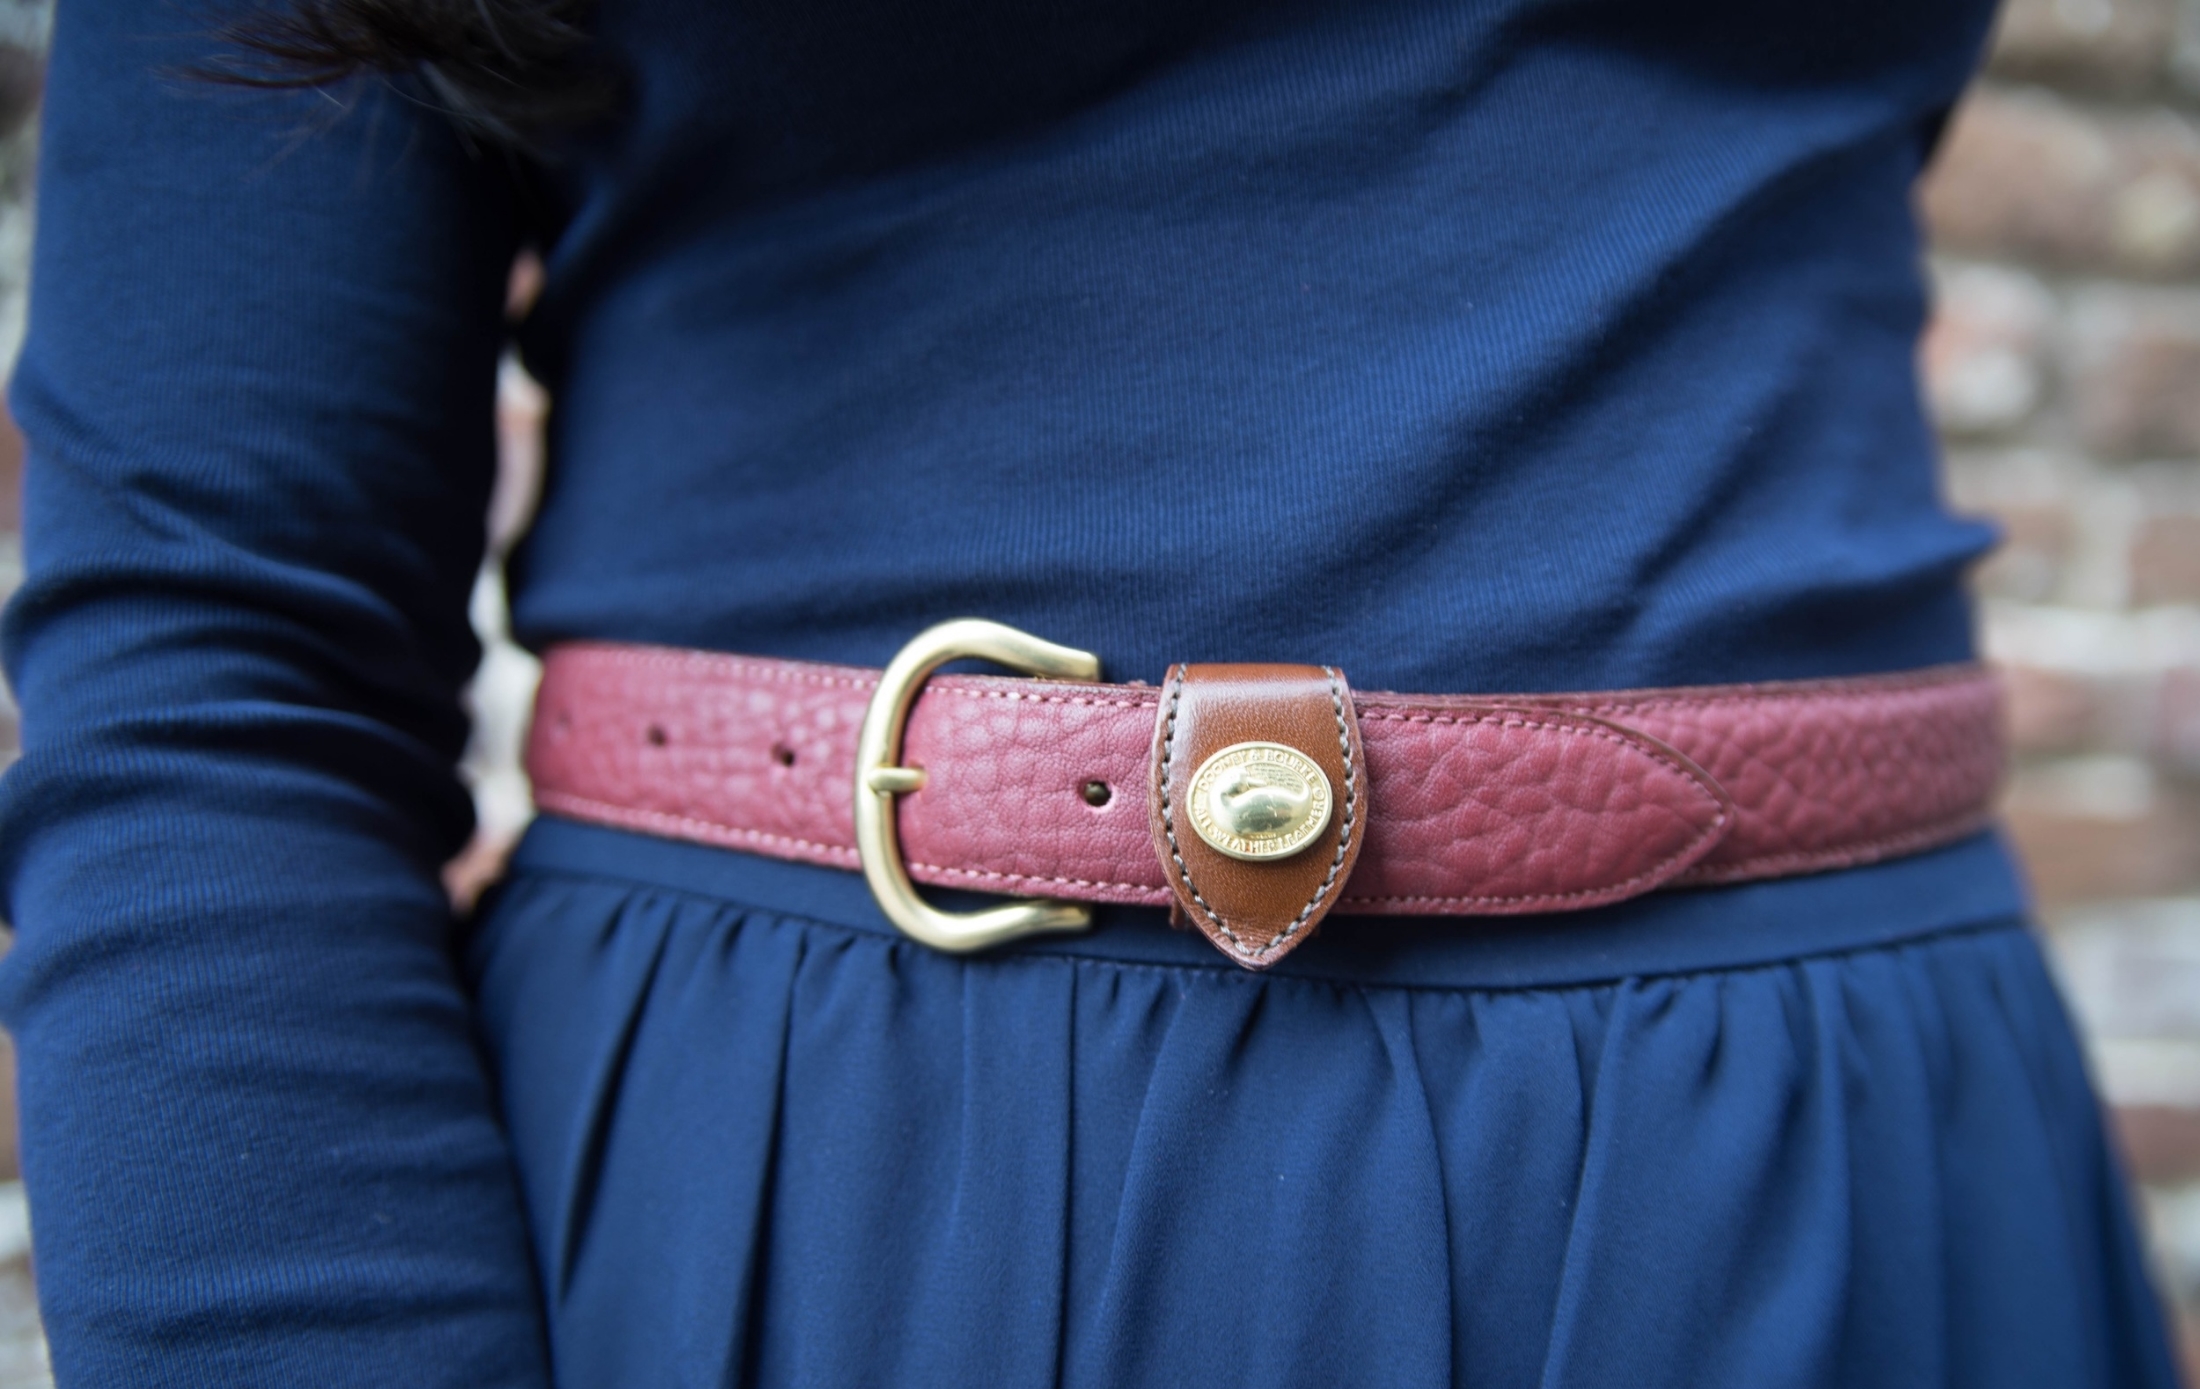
(260, 1139)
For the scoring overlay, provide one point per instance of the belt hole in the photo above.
(1096, 792)
(782, 754)
(656, 735)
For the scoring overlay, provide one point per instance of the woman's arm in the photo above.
(259, 1138)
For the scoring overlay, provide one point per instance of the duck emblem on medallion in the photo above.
(1256, 801)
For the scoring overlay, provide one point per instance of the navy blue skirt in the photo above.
(1695, 1145)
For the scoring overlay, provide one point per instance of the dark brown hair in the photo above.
(507, 70)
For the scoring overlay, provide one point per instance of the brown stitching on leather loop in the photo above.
(1351, 807)
(1168, 818)
(1344, 833)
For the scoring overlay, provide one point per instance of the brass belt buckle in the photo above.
(880, 777)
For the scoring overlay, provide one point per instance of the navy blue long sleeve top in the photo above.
(1509, 345)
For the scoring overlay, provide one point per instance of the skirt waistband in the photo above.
(1970, 885)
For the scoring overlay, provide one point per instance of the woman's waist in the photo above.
(1253, 800)
(1969, 885)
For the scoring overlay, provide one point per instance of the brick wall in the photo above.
(23, 27)
(2063, 365)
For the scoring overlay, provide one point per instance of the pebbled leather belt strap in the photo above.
(1473, 805)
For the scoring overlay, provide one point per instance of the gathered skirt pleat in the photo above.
(764, 1150)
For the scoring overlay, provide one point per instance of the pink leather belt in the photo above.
(1083, 792)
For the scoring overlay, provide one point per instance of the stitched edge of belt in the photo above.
(1479, 805)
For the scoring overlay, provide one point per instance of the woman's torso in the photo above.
(1471, 347)
(1493, 347)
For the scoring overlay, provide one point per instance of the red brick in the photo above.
(2134, 370)
(2165, 560)
(11, 1165)
(2024, 175)
(2105, 45)
(2051, 711)
(11, 472)
(2161, 1144)
(1984, 353)
(2035, 544)
(2176, 731)
(2080, 844)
